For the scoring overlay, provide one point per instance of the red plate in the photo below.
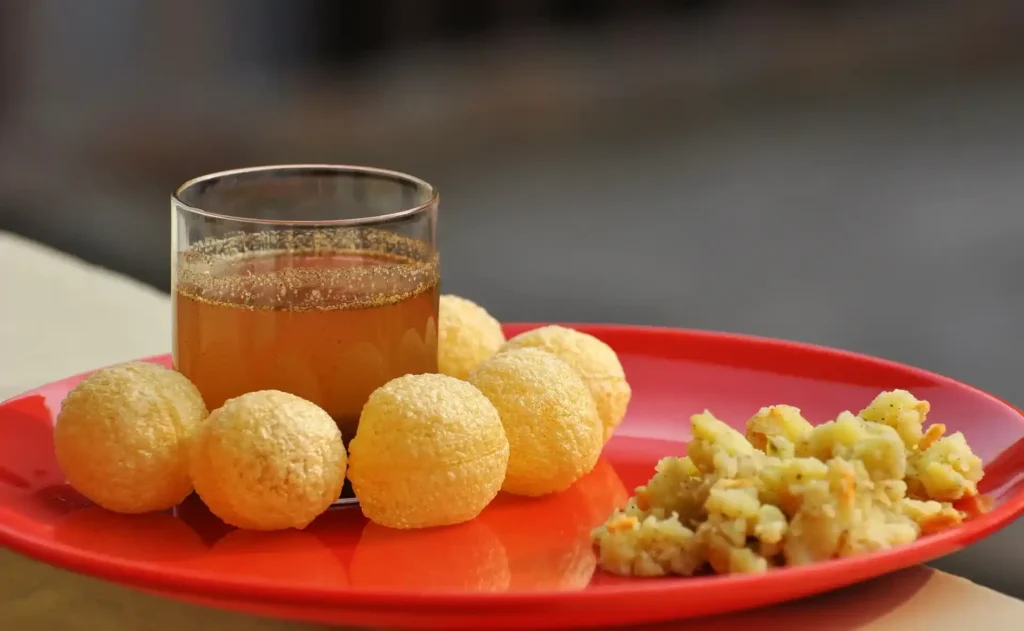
(522, 563)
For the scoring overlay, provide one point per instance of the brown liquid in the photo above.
(329, 325)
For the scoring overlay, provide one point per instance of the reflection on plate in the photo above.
(289, 557)
(559, 556)
(467, 558)
(151, 538)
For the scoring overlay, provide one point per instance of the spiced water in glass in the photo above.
(318, 280)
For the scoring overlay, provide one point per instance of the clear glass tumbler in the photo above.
(318, 280)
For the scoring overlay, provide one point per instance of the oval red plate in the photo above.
(522, 563)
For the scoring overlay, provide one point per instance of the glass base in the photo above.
(348, 497)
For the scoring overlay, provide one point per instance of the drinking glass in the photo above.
(318, 280)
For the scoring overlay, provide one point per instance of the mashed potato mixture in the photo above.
(789, 493)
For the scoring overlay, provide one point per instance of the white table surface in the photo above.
(60, 316)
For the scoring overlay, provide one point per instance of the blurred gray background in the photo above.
(845, 173)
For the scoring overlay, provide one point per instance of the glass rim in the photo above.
(339, 168)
